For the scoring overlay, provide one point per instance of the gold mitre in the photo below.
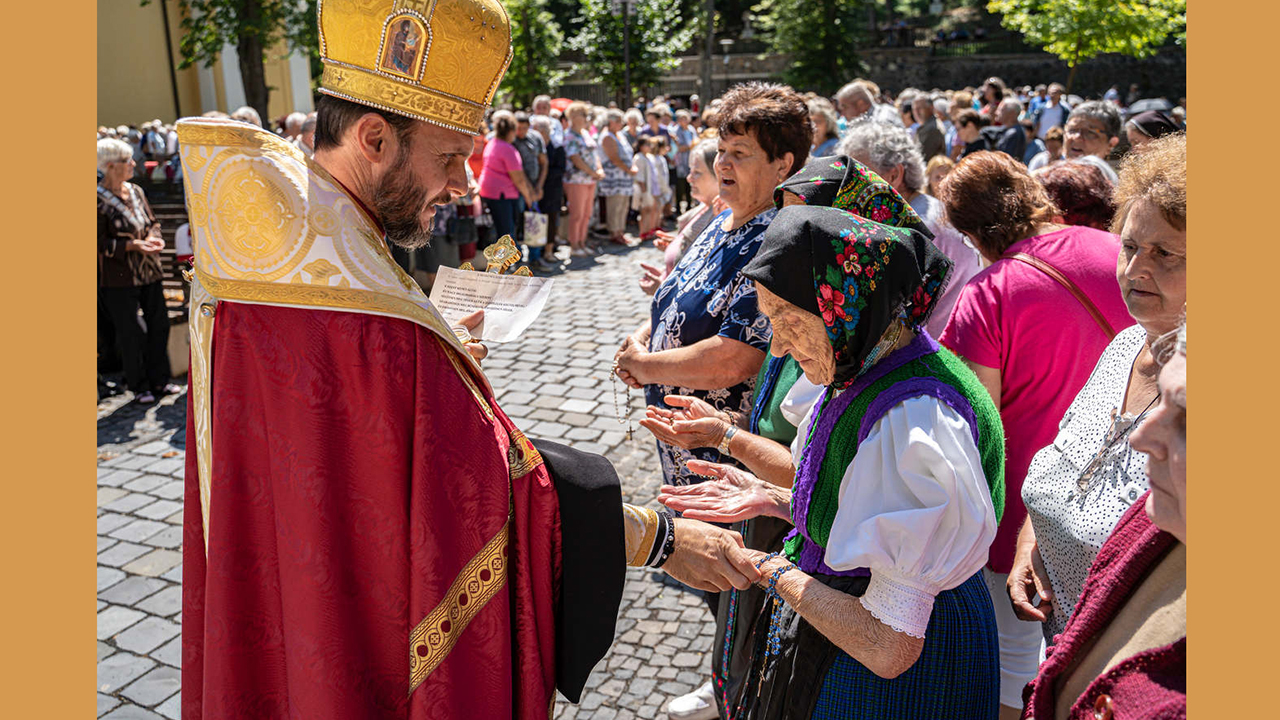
(434, 60)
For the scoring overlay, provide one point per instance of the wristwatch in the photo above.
(723, 447)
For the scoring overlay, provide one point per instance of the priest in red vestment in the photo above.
(367, 535)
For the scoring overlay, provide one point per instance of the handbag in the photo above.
(535, 227)
(1071, 287)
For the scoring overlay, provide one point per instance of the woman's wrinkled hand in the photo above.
(731, 495)
(691, 423)
(628, 359)
(709, 558)
(1026, 578)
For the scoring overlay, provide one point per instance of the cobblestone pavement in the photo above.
(553, 382)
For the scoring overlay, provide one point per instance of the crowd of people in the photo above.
(926, 353)
(914, 367)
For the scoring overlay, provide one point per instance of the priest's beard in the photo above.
(399, 199)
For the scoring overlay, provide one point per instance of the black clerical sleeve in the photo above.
(593, 560)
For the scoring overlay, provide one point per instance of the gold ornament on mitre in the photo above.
(434, 60)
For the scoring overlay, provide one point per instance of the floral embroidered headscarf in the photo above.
(847, 184)
(857, 275)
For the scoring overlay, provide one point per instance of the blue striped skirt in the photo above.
(956, 678)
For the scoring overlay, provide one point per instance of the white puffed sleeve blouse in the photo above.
(915, 509)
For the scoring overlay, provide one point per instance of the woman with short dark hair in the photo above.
(706, 337)
(1081, 192)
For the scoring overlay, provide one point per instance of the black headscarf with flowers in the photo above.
(857, 275)
(845, 183)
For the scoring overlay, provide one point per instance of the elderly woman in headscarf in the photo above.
(761, 440)
(880, 609)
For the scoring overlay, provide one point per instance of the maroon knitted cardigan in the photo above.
(1150, 685)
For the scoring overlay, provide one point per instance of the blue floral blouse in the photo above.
(704, 296)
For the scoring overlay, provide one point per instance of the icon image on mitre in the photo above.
(404, 40)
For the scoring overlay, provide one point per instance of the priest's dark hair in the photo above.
(334, 116)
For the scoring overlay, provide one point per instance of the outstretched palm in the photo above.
(731, 495)
(689, 423)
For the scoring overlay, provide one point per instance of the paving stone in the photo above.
(578, 406)
(579, 420)
(159, 509)
(116, 477)
(108, 576)
(138, 530)
(171, 490)
(121, 553)
(116, 618)
(154, 563)
(147, 635)
(129, 503)
(104, 650)
(155, 686)
(164, 603)
(121, 669)
(170, 466)
(174, 575)
(132, 590)
(170, 537)
(147, 483)
(172, 707)
(170, 653)
(105, 542)
(109, 494)
(175, 519)
(110, 521)
(129, 461)
(153, 448)
(129, 711)
(106, 702)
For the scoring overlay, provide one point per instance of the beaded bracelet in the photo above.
(773, 642)
(767, 558)
(669, 544)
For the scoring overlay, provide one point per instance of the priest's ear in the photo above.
(376, 140)
(372, 134)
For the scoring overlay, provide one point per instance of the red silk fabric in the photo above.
(354, 477)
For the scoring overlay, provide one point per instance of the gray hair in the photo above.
(682, 113)
(295, 120)
(1103, 112)
(881, 147)
(707, 149)
(309, 125)
(112, 150)
(855, 89)
(541, 99)
(247, 114)
(822, 108)
(540, 123)
(634, 114)
(613, 115)
(942, 105)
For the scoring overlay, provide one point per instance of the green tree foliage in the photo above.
(253, 27)
(819, 35)
(660, 33)
(1077, 30)
(535, 48)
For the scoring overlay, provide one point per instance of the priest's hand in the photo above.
(476, 348)
(731, 495)
(709, 558)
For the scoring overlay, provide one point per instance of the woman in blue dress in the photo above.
(706, 338)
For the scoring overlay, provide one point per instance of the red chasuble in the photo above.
(382, 542)
(366, 534)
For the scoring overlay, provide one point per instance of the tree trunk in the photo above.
(252, 73)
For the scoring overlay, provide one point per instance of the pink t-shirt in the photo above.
(500, 158)
(1014, 317)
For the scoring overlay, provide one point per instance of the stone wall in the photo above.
(1164, 74)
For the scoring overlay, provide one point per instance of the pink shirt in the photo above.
(1014, 317)
(500, 158)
